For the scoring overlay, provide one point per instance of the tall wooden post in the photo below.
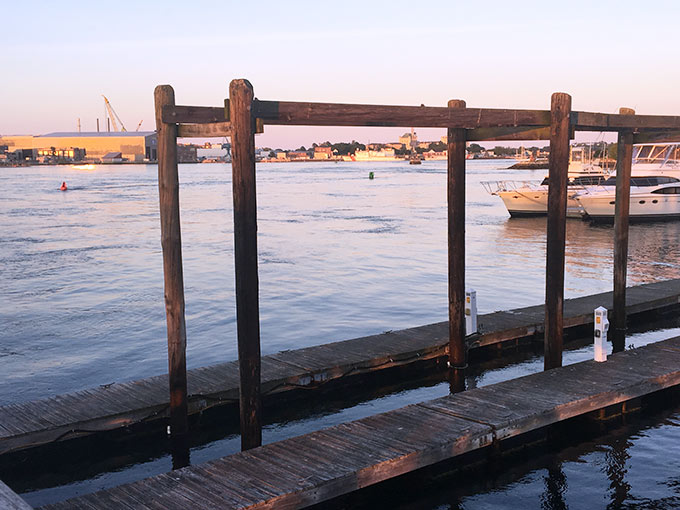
(456, 239)
(171, 242)
(245, 255)
(560, 110)
(624, 161)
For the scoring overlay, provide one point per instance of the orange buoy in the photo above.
(63, 186)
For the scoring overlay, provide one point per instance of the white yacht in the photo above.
(525, 198)
(654, 186)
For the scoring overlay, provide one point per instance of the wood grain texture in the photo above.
(315, 467)
(560, 109)
(110, 407)
(508, 133)
(624, 161)
(171, 242)
(336, 114)
(9, 500)
(245, 256)
(212, 129)
(193, 114)
(456, 242)
(584, 121)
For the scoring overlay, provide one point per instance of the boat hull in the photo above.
(643, 207)
(520, 203)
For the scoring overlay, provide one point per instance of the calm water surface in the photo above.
(340, 256)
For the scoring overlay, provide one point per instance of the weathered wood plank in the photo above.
(584, 121)
(9, 500)
(94, 410)
(321, 465)
(507, 133)
(212, 129)
(657, 136)
(178, 114)
(337, 114)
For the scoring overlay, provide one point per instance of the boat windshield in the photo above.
(659, 154)
(584, 180)
(653, 180)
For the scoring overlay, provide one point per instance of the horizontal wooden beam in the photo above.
(657, 136)
(508, 133)
(335, 114)
(588, 121)
(193, 114)
(214, 129)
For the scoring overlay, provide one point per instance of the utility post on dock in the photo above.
(560, 111)
(624, 162)
(456, 240)
(171, 242)
(245, 256)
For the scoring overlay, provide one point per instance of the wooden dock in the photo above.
(119, 405)
(11, 501)
(321, 465)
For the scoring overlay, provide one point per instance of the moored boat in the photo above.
(654, 187)
(525, 198)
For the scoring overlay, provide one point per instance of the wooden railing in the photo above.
(242, 116)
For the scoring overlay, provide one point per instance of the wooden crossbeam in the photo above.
(193, 114)
(508, 133)
(657, 136)
(335, 114)
(213, 129)
(587, 121)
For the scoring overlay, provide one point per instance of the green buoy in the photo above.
(370, 175)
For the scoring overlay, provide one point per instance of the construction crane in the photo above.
(113, 115)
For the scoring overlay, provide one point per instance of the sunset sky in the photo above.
(59, 57)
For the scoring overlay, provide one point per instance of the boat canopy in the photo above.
(658, 154)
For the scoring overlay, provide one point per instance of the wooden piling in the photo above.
(245, 255)
(560, 110)
(624, 161)
(456, 241)
(171, 242)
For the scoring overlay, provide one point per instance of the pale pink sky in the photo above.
(60, 57)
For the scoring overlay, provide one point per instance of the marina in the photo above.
(329, 362)
(319, 466)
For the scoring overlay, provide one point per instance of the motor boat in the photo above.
(654, 187)
(526, 198)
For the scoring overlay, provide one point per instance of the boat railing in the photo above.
(495, 187)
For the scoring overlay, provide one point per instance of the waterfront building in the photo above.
(323, 152)
(134, 146)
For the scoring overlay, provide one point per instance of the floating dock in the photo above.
(118, 405)
(316, 467)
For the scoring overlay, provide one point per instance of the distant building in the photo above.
(133, 146)
(112, 157)
(405, 140)
(298, 155)
(323, 152)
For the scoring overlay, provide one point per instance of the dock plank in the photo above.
(312, 468)
(118, 405)
(9, 500)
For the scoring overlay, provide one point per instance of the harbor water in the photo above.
(340, 256)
